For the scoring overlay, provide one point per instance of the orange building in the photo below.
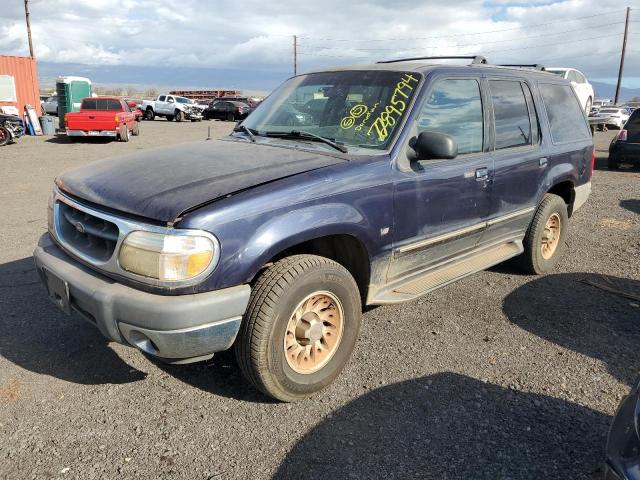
(19, 83)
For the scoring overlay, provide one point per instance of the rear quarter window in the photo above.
(89, 104)
(566, 117)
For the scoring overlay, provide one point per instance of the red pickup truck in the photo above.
(102, 117)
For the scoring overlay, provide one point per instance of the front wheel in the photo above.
(135, 131)
(300, 327)
(544, 241)
(231, 117)
(5, 136)
(179, 116)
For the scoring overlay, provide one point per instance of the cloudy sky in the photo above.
(248, 44)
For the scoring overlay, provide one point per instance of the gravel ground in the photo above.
(499, 375)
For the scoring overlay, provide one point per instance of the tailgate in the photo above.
(95, 120)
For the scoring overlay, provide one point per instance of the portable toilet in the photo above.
(71, 91)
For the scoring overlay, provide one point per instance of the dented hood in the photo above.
(161, 184)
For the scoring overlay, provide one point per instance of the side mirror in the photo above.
(434, 146)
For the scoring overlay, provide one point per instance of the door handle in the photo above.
(543, 162)
(482, 174)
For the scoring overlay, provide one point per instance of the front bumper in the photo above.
(92, 133)
(177, 328)
(623, 443)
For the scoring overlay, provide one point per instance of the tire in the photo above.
(124, 133)
(289, 285)
(231, 117)
(169, 118)
(135, 131)
(149, 114)
(179, 116)
(613, 162)
(5, 136)
(534, 260)
(588, 105)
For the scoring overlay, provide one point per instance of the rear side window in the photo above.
(88, 104)
(512, 124)
(565, 114)
(109, 104)
(162, 98)
(454, 107)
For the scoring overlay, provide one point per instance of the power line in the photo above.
(601, 14)
(470, 44)
(525, 47)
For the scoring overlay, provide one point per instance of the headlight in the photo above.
(168, 257)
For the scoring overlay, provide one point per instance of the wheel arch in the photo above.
(344, 248)
(565, 190)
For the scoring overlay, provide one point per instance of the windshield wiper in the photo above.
(308, 136)
(247, 130)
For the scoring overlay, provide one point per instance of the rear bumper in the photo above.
(582, 193)
(176, 328)
(627, 151)
(92, 133)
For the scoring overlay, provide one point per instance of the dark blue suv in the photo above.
(398, 178)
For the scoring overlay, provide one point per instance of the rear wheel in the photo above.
(5, 136)
(300, 327)
(124, 133)
(148, 114)
(588, 105)
(169, 118)
(544, 241)
(179, 116)
(231, 117)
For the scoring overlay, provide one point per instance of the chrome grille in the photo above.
(92, 236)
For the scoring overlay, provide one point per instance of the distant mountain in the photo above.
(607, 90)
(253, 78)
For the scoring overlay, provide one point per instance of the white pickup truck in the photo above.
(172, 107)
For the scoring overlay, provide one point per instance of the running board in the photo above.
(424, 282)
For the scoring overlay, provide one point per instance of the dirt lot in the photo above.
(500, 375)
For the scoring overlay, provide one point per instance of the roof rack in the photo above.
(475, 59)
(535, 66)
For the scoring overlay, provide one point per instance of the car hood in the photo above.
(161, 184)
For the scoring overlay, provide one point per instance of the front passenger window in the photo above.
(454, 107)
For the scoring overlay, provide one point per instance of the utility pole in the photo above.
(295, 55)
(26, 14)
(624, 49)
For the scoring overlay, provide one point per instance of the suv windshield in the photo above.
(360, 108)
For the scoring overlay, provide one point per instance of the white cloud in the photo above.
(228, 34)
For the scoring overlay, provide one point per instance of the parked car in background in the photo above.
(246, 100)
(623, 444)
(102, 117)
(625, 147)
(227, 110)
(172, 107)
(275, 238)
(50, 105)
(11, 128)
(135, 108)
(580, 84)
(613, 116)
